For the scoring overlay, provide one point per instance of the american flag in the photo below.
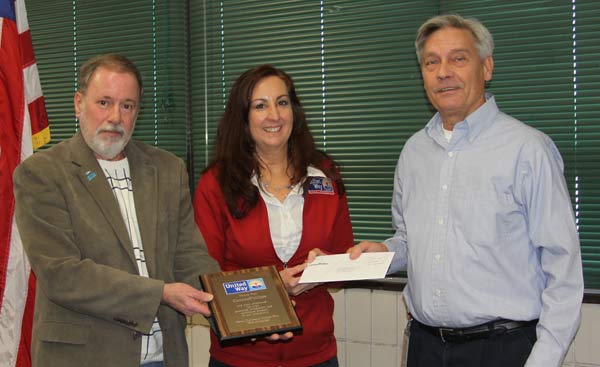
(23, 128)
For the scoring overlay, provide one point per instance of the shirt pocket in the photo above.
(487, 217)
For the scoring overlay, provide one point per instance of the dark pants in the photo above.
(509, 349)
(333, 362)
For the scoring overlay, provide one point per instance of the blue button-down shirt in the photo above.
(484, 226)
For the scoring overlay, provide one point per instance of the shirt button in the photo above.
(438, 292)
(440, 221)
(438, 257)
(444, 187)
(450, 154)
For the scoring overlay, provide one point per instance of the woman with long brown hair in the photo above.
(269, 197)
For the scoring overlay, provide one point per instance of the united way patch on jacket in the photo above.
(320, 185)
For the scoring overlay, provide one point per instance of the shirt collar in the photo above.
(297, 189)
(474, 124)
(314, 172)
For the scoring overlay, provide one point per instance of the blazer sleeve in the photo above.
(191, 257)
(64, 274)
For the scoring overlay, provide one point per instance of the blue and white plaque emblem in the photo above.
(244, 286)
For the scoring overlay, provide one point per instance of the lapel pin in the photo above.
(90, 175)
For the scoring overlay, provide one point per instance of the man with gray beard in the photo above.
(108, 226)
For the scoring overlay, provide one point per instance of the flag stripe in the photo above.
(24, 355)
(39, 123)
(20, 15)
(14, 303)
(27, 57)
(33, 89)
(23, 127)
(12, 107)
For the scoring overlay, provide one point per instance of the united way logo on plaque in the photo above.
(250, 285)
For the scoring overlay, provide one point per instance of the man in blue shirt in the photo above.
(483, 219)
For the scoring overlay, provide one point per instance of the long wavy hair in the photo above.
(235, 152)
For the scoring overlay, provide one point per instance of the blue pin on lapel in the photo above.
(90, 175)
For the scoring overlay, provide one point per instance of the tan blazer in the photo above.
(91, 305)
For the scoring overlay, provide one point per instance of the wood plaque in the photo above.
(249, 303)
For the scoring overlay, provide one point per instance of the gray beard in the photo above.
(108, 149)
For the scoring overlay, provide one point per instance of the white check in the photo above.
(334, 268)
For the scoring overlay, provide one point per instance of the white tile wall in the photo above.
(370, 331)
(586, 347)
(358, 309)
(339, 316)
(384, 356)
(357, 354)
(342, 353)
(385, 325)
(384, 318)
(198, 338)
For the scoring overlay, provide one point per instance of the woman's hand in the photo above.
(290, 279)
(290, 275)
(283, 337)
(312, 254)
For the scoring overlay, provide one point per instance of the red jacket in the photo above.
(245, 243)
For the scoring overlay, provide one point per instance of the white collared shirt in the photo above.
(285, 218)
